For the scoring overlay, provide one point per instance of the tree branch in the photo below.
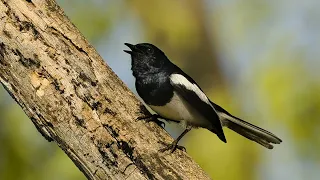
(74, 99)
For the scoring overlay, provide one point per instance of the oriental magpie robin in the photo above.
(175, 96)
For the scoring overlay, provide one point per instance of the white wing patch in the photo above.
(181, 80)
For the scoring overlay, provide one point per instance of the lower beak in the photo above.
(127, 51)
(131, 46)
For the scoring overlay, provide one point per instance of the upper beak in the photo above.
(131, 46)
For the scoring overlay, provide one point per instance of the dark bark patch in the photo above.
(114, 132)
(80, 122)
(160, 166)
(94, 83)
(112, 151)
(105, 156)
(7, 34)
(96, 105)
(56, 32)
(143, 168)
(107, 99)
(27, 62)
(57, 86)
(109, 111)
(28, 26)
(125, 147)
(86, 78)
(51, 6)
(2, 53)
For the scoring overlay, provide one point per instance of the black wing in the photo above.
(190, 91)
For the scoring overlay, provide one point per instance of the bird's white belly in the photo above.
(179, 110)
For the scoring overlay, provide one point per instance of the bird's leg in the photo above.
(153, 118)
(174, 145)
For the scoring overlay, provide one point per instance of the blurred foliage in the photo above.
(294, 100)
(257, 59)
(93, 18)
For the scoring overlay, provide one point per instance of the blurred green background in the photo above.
(257, 58)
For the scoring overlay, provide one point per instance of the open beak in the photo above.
(131, 46)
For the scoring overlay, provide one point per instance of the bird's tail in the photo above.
(250, 131)
(247, 130)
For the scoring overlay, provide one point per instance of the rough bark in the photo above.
(74, 99)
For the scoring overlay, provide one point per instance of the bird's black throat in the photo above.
(154, 89)
(152, 70)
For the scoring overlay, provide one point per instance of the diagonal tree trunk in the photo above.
(74, 99)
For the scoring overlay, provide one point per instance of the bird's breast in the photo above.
(178, 109)
(171, 110)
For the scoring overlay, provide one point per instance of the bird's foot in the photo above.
(153, 118)
(172, 147)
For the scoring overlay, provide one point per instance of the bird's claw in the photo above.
(153, 118)
(172, 147)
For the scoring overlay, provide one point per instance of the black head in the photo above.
(146, 59)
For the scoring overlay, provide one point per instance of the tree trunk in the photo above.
(76, 100)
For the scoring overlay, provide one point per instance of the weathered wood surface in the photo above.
(76, 100)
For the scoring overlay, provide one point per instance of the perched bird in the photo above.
(176, 97)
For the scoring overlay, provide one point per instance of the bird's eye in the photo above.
(150, 51)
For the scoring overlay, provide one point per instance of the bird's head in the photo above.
(146, 58)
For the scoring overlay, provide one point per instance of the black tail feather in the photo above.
(247, 130)
(250, 135)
